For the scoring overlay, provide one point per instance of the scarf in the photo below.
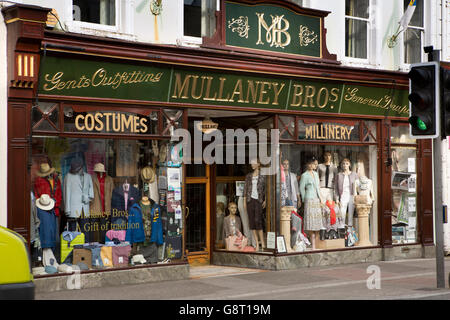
(330, 205)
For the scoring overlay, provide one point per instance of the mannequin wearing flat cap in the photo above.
(47, 182)
(100, 207)
(150, 187)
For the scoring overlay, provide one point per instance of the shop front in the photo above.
(145, 157)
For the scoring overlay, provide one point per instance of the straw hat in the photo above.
(99, 167)
(148, 174)
(45, 202)
(45, 170)
(145, 201)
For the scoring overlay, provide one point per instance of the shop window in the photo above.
(172, 119)
(95, 11)
(413, 35)
(403, 185)
(356, 28)
(327, 196)
(45, 117)
(104, 203)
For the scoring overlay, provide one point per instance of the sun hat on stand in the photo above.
(45, 202)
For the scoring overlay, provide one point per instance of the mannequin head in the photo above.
(327, 157)
(220, 208)
(360, 171)
(255, 164)
(232, 208)
(285, 164)
(345, 164)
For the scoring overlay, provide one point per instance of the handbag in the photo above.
(69, 239)
(106, 256)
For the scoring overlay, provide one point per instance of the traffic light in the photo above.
(445, 101)
(424, 117)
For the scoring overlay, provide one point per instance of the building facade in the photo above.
(139, 119)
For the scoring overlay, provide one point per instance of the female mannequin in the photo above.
(327, 174)
(232, 225)
(344, 193)
(254, 201)
(312, 199)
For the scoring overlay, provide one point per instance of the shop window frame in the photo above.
(163, 130)
(418, 173)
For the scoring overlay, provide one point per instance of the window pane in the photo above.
(356, 38)
(358, 8)
(413, 45)
(95, 11)
(300, 193)
(417, 18)
(404, 199)
(192, 18)
(65, 169)
(400, 134)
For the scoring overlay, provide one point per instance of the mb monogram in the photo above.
(276, 35)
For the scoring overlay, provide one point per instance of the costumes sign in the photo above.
(159, 83)
(111, 122)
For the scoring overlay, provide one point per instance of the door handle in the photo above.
(187, 214)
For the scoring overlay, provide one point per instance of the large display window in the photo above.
(327, 184)
(99, 203)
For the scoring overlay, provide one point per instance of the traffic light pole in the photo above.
(433, 55)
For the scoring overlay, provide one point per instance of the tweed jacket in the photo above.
(96, 205)
(339, 184)
(77, 196)
(261, 186)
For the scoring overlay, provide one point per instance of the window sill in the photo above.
(98, 30)
(189, 42)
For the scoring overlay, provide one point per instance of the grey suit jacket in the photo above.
(77, 196)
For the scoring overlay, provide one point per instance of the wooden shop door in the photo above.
(197, 213)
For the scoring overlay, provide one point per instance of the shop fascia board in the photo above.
(66, 43)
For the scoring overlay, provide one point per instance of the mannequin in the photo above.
(119, 204)
(363, 200)
(327, 173)
(363, 187)
(47, 182)
(100, 207)
(290, 195)
(78, 193)
(312, 199)
(232, 227)
(344, 193)
(254, 201)
(47, 228)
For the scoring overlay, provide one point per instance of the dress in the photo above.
(309, 191)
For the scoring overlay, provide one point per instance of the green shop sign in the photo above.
(272, 28)
(83, 78)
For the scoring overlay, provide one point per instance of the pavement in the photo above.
(412, 279)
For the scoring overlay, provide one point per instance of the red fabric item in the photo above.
(301, 219)
(43, 186)
(330, 204)
(283, 177)
(101, 181)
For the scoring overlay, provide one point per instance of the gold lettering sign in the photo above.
(276, 33)
(209, 88)
(111, 122)
(328, 131)
(99, 78)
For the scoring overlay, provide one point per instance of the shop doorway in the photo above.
(197, 208)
